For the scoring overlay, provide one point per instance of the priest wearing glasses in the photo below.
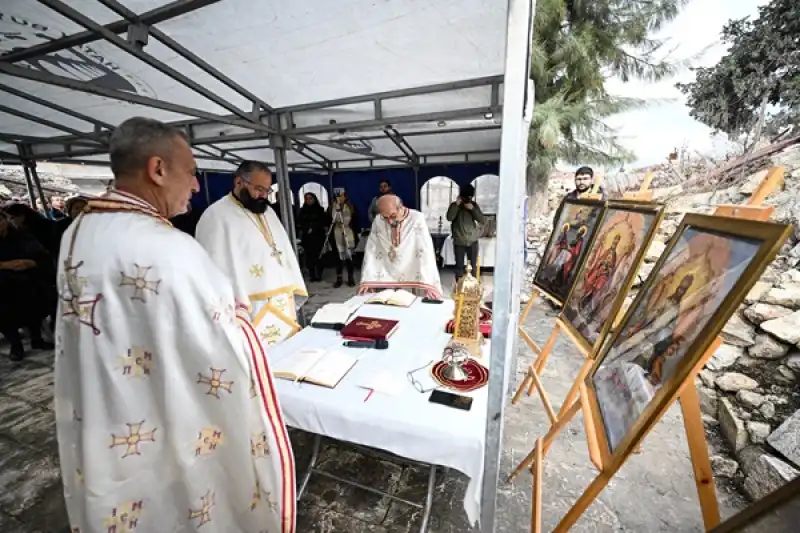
(244, 237)
(399, 252)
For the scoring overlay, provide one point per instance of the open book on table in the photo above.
(398, 297)
(334, 314)
(320, 367)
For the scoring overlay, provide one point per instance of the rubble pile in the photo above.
(12, 179)
(749, 390)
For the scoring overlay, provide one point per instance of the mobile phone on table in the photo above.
(448, 399)
(428, 300)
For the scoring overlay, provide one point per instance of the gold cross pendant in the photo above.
(277, 255)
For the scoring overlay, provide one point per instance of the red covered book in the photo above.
(369, 328)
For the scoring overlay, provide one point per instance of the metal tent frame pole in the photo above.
(35, 175)
(517, 108)
(29, 184)
(278, 143)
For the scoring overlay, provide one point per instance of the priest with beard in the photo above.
(246, 240)
(399, 252)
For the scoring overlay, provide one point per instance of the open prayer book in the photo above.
(399, 297)
(334, 313)
(320, 367)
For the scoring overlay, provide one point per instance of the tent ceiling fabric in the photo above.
(431, 69)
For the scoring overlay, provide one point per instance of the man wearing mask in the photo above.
(584, 177)
(246, 240)
(465, 219)
(385, 188)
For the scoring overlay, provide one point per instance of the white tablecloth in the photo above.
(485, 252)
(407, 424)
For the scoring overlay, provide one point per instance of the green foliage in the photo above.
(577, 45)
(762, 64)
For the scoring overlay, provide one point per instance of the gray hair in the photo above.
(246, 168)
(138, 139)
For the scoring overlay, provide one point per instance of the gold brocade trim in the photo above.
(288, 290)
(263, 380)
(269, 308)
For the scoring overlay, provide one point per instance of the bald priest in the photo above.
(399, 252)
(244, 237)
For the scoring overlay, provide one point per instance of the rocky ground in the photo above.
(749, 389)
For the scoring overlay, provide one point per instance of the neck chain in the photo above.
(263, 228)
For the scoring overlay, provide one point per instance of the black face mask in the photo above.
(254, 205)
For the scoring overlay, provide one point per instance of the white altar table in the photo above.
(406, 424)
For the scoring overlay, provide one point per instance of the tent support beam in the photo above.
(81, 86)
(517, 111)
(51, 124)
(173, 45)
(79, 18)
(98, 124)
(32, 177)
(172, 10)
(284, 187)
(400, 93)
(402, 144)
(457, 114)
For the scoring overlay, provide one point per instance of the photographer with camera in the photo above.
(465, 219)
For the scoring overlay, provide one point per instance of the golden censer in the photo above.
(468, 294)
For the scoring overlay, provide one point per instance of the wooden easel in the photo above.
(686, 395)
(536, 292)
(644, 194)
(695, 434)
(593, 194)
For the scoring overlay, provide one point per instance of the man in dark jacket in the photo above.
(465, 219)
(584, 177)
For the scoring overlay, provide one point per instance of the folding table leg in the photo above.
(311, 464)
(426, 511)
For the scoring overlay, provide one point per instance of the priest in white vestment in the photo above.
(399, 252)
(166, 413)
(246, 240)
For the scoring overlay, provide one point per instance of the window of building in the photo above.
(436, 196)
(317, 190)
(487, 189)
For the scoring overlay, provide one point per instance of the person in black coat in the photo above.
(27, 289)
(312, 223)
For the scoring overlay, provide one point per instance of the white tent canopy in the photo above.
(330, 75)
(301, 84)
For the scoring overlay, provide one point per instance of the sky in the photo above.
(654, 131)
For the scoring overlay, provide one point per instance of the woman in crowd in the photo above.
(343, 215)
(27, 288)
(313, 224)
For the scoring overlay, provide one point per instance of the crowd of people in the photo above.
(29, 247)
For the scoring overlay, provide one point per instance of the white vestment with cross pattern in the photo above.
(266, 279)
(152, 359)
(408, 264)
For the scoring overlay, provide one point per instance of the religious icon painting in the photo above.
(623, 235)
(698, 282)
(566, 250)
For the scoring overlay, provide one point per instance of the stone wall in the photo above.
(749, 390)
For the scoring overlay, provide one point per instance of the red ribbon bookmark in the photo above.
(369, 394)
